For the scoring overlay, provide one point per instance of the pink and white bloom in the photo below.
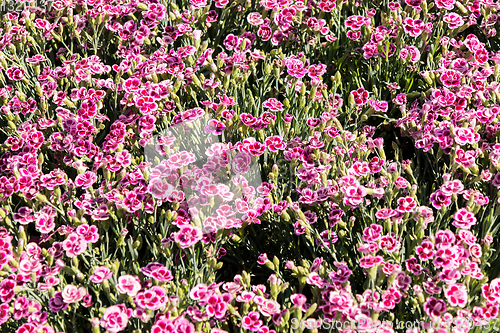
(128, 284)
(73, 294)
(456, 294)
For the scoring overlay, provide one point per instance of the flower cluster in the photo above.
(215, 166)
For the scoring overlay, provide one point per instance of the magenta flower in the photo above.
(241, 163)
(434, 307)
(89, 232)
(425, 250)
(57, 303)
(454, 20)
(360, 96)
(296, 68)
(74, 245)
(86, 179)
(355, 22)
(216, 307)
(215, 127)
(451, 78)
(275, 143)
(158, 272)
(464, 219)
(160, 189)
(115, 318)
(456, 294)
(15, 73)
(439, 199)
(298, 300)
(370, 261)
(101, 274)
(491, 291)
(262, 259)
(273, 104)
(413, 27)
(152, 299)
(188, 236)
(251, 321)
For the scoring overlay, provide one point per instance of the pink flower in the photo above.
(89, 232)
(146, 104)
(372, 233)
(465, 135)
(406, 205)
(36, 59)
(425, 250)
(413, 27)
(86, 179)
(44, 222)
(15, 73)
(491, 292)
(390, 298)
(198, 292)
(370, 261)
(390, 243)
(355, 22)
(188, 235)
(439, 199)
(215, 127)
(158, 272)
(273, 104)
(315, 280)
(250, 145)
(410, 52)
(296, 68)
(152, 299)
(74, 245)
(241, 163)
(4, 313)
(275, 143)
(385, 213)
(379, 106)
(115, 318)
(269, 307)
(245, 297)
(434, 307)
(101, 274)
(251, 321)
(299, 300)
(454, 20)
(262, 259)
(360, 96)
(160, 189)
(446, 4)
(72, 294)
(456, 294)
(128, 284)
(464, 219)
(488, 239)
(216, 307)
(316, 70)
(451, 78)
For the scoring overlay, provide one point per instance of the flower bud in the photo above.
(310, 310)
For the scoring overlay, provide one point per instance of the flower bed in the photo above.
(264, 166)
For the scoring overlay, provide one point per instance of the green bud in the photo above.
(270, 265)
(351, 101)
(276, 262)
(310, 310)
